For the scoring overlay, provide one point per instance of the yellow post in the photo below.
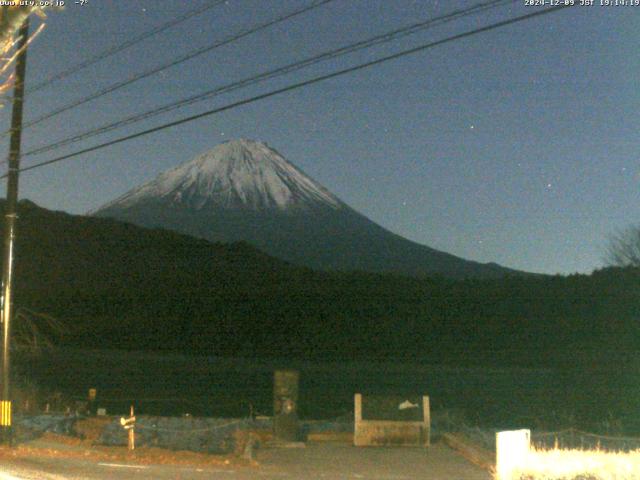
(5, 413)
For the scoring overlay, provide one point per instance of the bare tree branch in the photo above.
(36, 330)
(624, 248)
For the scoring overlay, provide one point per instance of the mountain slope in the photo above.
(246, 191)
(241, 175)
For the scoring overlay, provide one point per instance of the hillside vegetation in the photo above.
(115, 285)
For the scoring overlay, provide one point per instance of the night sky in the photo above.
(519, 146)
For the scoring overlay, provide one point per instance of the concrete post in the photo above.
(426, 418)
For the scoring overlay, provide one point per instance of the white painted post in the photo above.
(426, 418)
(358, 407)
(512, 448)
(358, 419)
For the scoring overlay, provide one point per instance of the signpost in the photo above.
(130, 425)
(285, 405)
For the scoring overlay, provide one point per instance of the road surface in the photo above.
(329, 461)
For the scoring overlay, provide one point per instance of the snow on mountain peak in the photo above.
(236, 174)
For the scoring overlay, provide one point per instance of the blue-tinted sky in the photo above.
(519, 146)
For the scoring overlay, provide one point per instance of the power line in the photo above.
(330, 54)
(123, 46)
(200, 51)
(298, 85)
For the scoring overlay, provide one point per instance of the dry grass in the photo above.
(561, 464)
(91, 428)
(53, 445)
(56, 447)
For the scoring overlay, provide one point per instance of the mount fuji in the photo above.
(244, 190)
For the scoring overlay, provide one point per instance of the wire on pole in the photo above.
(297, 86)
(189, 56)
(274, 73)
(121, 47)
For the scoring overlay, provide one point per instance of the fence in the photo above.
(567, 453)
(28, 427)
(569, 438)
(159, 406)
(199, 434)
(211, 435)
(572, 438)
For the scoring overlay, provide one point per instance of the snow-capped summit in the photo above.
(242, 174)
(244, 190)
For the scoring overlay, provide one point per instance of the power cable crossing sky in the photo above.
(458, 147)
(289, 88)
(352, 47)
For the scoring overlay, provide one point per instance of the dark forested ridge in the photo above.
(115, 285)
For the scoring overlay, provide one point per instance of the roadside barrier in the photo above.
(573, 438)
(28, 427)
(211, 435)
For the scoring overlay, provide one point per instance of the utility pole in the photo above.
(9, 231)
